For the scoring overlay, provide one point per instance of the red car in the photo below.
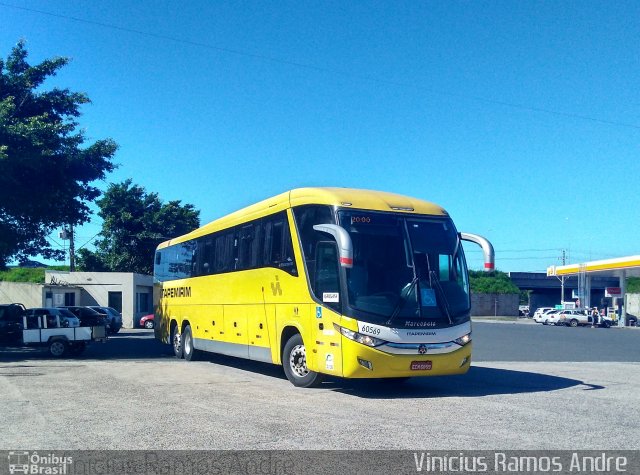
(147, 321)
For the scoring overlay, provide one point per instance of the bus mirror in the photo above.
(487, 249)
(345, 247)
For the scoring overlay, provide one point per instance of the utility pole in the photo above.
(564, 259)
(72, 251)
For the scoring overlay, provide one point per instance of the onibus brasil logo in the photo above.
(34, 463)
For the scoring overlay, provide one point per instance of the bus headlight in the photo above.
(359, 337)
(463, 340)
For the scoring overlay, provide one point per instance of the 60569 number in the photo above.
(369, 329)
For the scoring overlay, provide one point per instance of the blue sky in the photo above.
(522, 119)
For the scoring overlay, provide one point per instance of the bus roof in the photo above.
(346, 197)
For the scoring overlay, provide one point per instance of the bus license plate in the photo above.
(421, 365)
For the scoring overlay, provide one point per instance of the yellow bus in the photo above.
(324, 281)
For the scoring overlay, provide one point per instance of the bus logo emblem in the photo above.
(422, 349)
(275, 287)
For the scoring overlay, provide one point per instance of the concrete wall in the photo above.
(30, 295)
(483, 305)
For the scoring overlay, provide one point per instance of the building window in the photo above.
(142, 303)
(69, 298)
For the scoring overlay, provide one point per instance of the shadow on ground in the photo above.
(125, 345)
(479, 381)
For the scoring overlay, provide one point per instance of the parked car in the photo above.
(553, 317)
(540, 312)
(147, 321)
(631, 321)
(575, 318)
(523, 311)
(11, 322)
(56, 317)
(570, 316)
(88, 316)
(114, 318)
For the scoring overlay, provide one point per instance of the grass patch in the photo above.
(28, 274)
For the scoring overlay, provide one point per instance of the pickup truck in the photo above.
(575, 318)
(45, 327)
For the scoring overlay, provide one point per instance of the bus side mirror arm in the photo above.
(487, 249)
(345, 246)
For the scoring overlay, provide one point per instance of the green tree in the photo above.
(45, 172)
(492, 283)
(633, 285)
(135, 222)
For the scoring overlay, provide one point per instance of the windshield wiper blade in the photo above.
(402, 301)
(445, 302)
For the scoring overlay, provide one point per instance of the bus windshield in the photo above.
(406, 267)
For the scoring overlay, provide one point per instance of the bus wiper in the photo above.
(403, 300)
(433, 277)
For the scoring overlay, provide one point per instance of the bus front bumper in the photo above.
(360, 361)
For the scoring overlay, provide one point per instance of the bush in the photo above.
(34, 275)
(491, 283)
(633, 285)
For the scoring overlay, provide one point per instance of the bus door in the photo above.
(326, 287)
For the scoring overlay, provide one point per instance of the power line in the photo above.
(313, 67)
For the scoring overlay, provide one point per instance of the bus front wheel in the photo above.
(294, 361)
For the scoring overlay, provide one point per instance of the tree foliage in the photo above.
(492, 283)
(135, 222)
(633, 285)
(45, 172)
(34, 275)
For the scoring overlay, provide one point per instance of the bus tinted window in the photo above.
(261, 243)
(306, 217)
(278, 250)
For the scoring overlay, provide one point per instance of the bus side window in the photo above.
(273, 243)
(250, 237)
(278, 250)
(224, 252)
(206, 254)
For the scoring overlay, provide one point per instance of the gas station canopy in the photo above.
(618, 267)
(621, 267)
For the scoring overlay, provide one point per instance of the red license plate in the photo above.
(421, 365)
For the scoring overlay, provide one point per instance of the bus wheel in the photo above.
(190, 353)
(57, 348)
(294, 360)
(176, 342)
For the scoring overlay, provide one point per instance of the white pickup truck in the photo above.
(575, 318)
(57, 338)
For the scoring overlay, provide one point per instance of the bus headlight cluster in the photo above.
(463, 340)
(359, 337)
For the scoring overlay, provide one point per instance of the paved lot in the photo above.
(131, 394)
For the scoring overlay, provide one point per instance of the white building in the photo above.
(129, 293)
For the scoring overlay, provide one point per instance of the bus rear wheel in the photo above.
(190, 353)
(294, 361)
